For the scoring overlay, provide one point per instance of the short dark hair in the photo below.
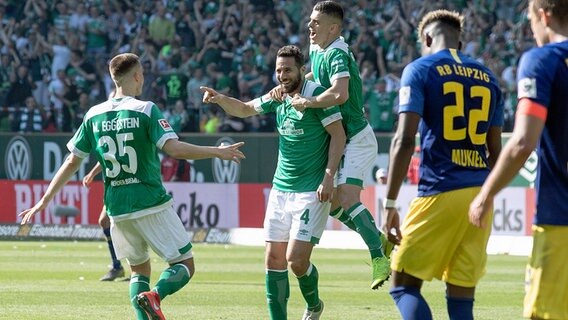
(330, 8)
(451, 19)
(292, 51)
(558, 8)
(122, 64)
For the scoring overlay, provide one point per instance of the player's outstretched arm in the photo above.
(182, 150)
(232, 106)
(89, 177)
(523, 141)
(335, 95)
(67, 169)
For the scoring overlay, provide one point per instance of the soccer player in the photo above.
(125, 133)
(117, 271)
(456, 105)
(310, 147)
(541, 122)
(334, 67)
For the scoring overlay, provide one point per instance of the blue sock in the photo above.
(460, 308)
(410, 303)
(115, 262)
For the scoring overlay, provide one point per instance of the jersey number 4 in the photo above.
(119, 148)
(451, 112)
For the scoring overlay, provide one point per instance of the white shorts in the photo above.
(358, 158)
(161, 231)
(299, 215)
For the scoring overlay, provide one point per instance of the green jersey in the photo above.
(125, 134)
(303, 143)
(334, 62)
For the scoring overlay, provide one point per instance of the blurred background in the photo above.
(54, 54)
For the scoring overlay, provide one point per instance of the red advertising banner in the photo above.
(252, 204)
(21, 195)
(209, 205)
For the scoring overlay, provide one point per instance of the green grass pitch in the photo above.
(59, 280)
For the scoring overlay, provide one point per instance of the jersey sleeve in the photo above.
(327, 115)
(338, 65)
(80, 145)
(534, 76)
(411, 93)
(160, 130)
(262, 105)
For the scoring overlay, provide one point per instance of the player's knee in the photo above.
(275, 261)
(298, 266)
(348, 199)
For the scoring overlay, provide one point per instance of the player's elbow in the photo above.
(404, 141)
(341, 97)
(523, 147)
(172, 149)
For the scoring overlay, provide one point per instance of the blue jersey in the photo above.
(459, 100)
(543, 78)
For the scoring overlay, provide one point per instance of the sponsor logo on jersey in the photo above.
(225, 171)
(527, 88)
(404, 95)
(337, 63)
(18, 159)
(165, 124)
(288, 129)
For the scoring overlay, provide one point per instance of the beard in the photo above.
(292, 85)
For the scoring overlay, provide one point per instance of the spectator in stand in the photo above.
(174, 85)
(234, 42)
(21, 87)
(57, 95)
(79, 18)
(80, 107)
(381, 105)
(381, 176)
(178, 118)
(96, 34)
(61, 18)
(82, 73)
(31, 118)
(162, 29)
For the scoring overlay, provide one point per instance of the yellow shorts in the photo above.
(439, 242)
(547, 274)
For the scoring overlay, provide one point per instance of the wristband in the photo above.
(390, 203)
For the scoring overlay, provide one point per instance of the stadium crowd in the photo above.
(54, 54)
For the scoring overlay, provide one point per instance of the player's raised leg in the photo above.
(338, 213)
(359, 156)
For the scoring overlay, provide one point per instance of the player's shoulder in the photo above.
(419, 67)
(129, 103)
(98, 109)
(546, 56)
(337, 47)
(311, 89)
